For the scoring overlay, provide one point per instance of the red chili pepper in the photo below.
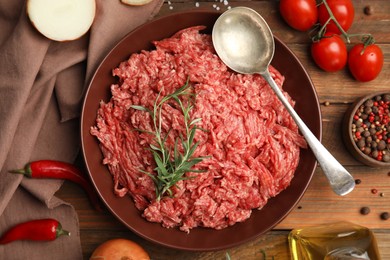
(37, 230)
(49, 169)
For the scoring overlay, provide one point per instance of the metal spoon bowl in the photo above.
(245, 43)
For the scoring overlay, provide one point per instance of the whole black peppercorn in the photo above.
(367, 110)
(381, 145)
(367, 10)
(366, 133)
(385, 215)
(365, 210)
(361, 143)
(374, 109)
(386, 158)
(367, 150)
(369, 103)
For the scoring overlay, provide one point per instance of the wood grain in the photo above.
(319, 204)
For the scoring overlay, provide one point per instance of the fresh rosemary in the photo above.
(171, 166)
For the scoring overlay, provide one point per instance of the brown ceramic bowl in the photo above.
(348, 135)
(297, 84)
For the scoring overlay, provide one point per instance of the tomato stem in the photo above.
(333, 18)
(366, 39)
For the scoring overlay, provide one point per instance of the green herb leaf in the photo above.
(169, 170)
(141, 108)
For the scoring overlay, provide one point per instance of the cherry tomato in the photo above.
(342, 10)
(365, 64)
(330, 52)
(299, 14)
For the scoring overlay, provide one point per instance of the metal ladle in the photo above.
(245, 43)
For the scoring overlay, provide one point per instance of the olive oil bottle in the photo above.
(335, 241)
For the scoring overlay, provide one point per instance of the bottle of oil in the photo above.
(335, 241)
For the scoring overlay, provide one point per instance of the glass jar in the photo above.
(334, 241)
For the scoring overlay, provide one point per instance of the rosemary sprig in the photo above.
(171, 166)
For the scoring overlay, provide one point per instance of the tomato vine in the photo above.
(366, 38)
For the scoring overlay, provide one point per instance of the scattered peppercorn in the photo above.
(365, 210)
(371, 127)
(326, 103)
(374, 191)
(358, 181)
(367, 10)
(385, 215)
(382, 194)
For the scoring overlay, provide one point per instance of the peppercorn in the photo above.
(385, 216)
(367, 10)
(367, 150)
(369, 103)
(365, 210)
(381, 145)
(361, 143)
(370, 125)
(358, 181)
(375, 109)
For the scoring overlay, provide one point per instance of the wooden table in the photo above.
(336, 92)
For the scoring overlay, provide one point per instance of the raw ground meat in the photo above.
(252, 142)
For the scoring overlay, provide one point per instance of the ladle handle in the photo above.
(339, 178)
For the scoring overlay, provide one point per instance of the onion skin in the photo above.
(119, 249)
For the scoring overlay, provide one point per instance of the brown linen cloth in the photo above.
(42, 83)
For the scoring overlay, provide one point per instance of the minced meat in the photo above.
(251, 141)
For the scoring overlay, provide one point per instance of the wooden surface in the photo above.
(319, 204)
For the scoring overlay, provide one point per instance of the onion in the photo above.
(119, 249)
(61, 20)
